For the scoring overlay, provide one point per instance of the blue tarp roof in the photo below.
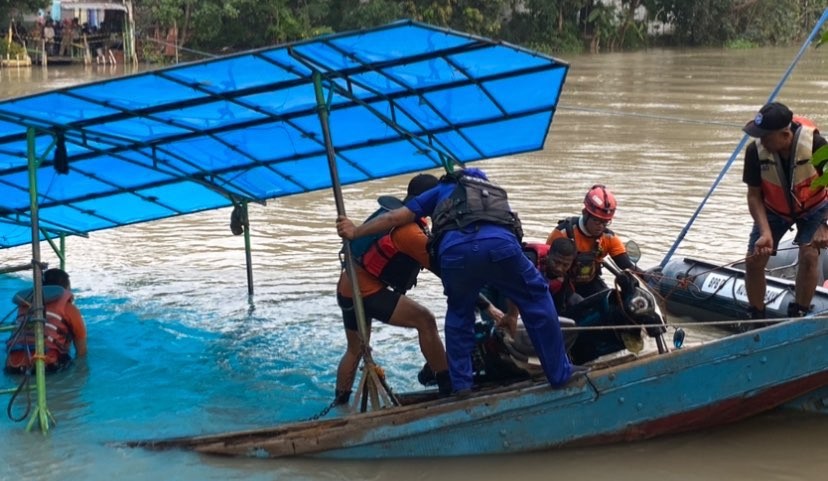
(192, 137)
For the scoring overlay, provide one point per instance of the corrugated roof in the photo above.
(191, 137)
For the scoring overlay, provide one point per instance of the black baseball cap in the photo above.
(771, 118)
(419, 184)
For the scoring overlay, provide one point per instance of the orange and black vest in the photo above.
(383, 260)
(787, 191)
(587, 265)
(56, 333)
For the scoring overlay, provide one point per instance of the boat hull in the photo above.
(698, 387)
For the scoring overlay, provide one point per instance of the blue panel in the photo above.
(511, 93)
(14, 235)
(358, 125)
(285, 101)
(141, 129)
(417, 109)
(495, 60)
(233, 74)
(509, 136)
(61, 187)
(187, 197)
(313, 172)
(141, 91)
(390, 159)
(276, 141)
(71, 218)
(9, 128)
(394, 43)
(373, 83)
(56, 107)
(422, 75)
(269, 182)
(130, 209)
(462, 105)
(19, 199)
(120, 172)
(283, 58)
(459, 146)
(210, 116)
(204, 155)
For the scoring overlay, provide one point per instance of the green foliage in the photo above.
(722, 22)
(15, 50)
(554, 26)
(740, 44)
(822, 39)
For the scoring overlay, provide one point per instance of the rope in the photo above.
(23, 386)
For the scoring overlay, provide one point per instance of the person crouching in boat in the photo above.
(554, 262)
(477, 242)
(778, 173)
(557, 268)
(593, 241)
(64, 326)
(387, 265)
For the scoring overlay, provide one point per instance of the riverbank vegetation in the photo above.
(553, 26)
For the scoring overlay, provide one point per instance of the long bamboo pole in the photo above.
(369, 372)
(41, 412)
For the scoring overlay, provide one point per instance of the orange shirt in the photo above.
(408, 239)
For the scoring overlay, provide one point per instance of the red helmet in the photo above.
(600, 202)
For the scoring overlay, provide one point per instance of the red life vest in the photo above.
(57, 334)
(537, 253)
(383, 260)
(800, 197)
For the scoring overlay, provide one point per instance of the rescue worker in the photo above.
(477, 242)
(387, 266)
(64, 326)
(778, 173)
(593, 241)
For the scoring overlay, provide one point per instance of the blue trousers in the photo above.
(499, 262)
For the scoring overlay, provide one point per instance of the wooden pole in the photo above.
(40, 413)
(369, 381)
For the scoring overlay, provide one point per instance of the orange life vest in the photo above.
(57, 334)
(800, 197)
(383, 260)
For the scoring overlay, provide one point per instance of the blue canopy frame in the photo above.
(257, 125)
(244, 128)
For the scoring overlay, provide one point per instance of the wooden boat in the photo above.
(722, 381)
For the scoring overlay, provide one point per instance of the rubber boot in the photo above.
(443, 383)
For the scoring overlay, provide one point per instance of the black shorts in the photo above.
(378, 306)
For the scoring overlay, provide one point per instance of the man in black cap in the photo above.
(778, 172)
